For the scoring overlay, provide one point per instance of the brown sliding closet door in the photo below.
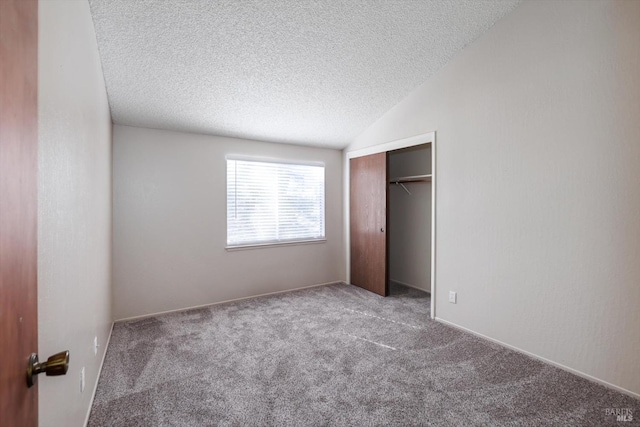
(368, 222)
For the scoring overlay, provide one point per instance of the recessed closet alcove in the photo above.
(409, 216)
(391, 220)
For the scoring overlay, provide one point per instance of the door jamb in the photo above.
(425, 138)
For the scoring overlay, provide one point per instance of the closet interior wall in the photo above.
(410, 219)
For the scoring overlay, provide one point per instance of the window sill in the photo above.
(270, 245)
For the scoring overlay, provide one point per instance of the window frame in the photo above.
(292, 242)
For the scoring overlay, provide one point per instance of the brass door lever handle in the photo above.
(58, 364)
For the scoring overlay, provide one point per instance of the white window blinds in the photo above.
(270, 202)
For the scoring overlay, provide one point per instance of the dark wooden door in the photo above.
(18, 208)
(368, 222)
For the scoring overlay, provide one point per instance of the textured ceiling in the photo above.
(296, 71)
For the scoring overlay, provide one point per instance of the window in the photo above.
(269, 202)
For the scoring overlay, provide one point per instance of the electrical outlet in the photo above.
(95, 346)
(82, 380)
(453, 297)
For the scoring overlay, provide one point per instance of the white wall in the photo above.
(538, 183)
(410, 219)
(170, 224)
(74, 207)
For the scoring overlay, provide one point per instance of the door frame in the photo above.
(425, 138)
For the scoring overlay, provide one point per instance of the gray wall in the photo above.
(74, 208)
(538, 183)
(170, 224)
(410, 220)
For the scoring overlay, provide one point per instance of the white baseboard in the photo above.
(410, 286)
(542, 359)
(159, 313)
(95, 387)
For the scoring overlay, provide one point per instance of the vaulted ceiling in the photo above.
(295, 71)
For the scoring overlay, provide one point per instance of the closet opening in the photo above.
(391, 217)
(409, 219)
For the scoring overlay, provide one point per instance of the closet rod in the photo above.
(413, 178)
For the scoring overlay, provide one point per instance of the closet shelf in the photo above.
(413, 178)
